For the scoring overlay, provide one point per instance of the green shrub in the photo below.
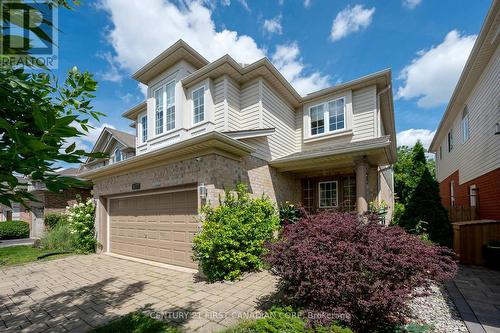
(14, 229)
(59, 238)
(233, 234)
(279, 320)
(290, 213)
(399, 210)
(52, 219)
(81, 219)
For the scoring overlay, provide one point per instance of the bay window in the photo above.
(144, 128)
(165, 108)
(327, 117)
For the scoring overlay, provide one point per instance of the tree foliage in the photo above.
(39, 120)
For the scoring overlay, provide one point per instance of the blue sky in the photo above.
(314, 43)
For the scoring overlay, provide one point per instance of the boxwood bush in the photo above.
(233, 234)
(14, 229)
(361, 274)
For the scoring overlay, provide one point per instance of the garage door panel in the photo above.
(157, 227)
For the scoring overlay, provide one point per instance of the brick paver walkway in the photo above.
(81, 292)
(476, 293)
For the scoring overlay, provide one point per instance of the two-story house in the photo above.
(467, 141)
(207, 126)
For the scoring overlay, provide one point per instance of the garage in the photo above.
(158, 227)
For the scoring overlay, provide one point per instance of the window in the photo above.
(165, 107)
(159, 100)
(327, 117)
(118, 155)
(328, 194)
(465, 125)
(473, 195)
(450, 141)
(452, 193)
(170, 92)
(317, 120)
(198, 105)
(440, 152)
(144, 128)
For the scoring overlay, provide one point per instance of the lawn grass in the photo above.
(136, 322)
(21, 254)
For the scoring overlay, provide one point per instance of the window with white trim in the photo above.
(465, 125)
(144, 128)
(159, 101)
(452, 193)
(328, 194)
(198, 105)
(170, 101)
(327, 117)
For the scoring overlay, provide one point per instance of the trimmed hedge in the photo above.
(14, 229)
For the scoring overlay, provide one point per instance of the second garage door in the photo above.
(157, 227)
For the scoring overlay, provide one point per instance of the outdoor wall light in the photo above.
(202, 190)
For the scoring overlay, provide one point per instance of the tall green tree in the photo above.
(39, 120)
(423, 208)
(408, 169)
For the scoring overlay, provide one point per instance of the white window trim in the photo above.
(462, 124)
(450, 141)
(326, 118)
(336, 193)
(114, 155)
(193, 123)
(163, 85)
(452, 193)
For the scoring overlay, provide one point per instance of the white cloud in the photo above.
(137, 41)
(113, 73)
(287, 59)
(433, 74)
(351, 19)
(411, 4)
(307, 3)
(410, 136)
(273, 26)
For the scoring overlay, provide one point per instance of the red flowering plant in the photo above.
(360, 274)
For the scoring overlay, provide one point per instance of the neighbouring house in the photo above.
(117, 145)
(467, 141)
(46, 202)
(207, 126)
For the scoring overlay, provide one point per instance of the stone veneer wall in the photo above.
(216, 171)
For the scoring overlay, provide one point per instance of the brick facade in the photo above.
(57, 202)
(487, 189)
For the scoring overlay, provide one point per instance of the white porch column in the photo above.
(361, 186)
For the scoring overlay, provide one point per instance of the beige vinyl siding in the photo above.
(481, 153)
(233, 104)
(279, 115)
(250, 106)
(299, 125)
(219, 104)
(363, 126)
(364, 113)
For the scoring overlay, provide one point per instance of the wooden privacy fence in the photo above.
(462, 213)
(469, 237)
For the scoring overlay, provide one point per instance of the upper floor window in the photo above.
(450, 141)
(465, 125)
(159, 110)
(328, 194)
(165, 107)
(118, 155)
(170, 92)
(198, 105)
(144, 128)
(327, 117)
